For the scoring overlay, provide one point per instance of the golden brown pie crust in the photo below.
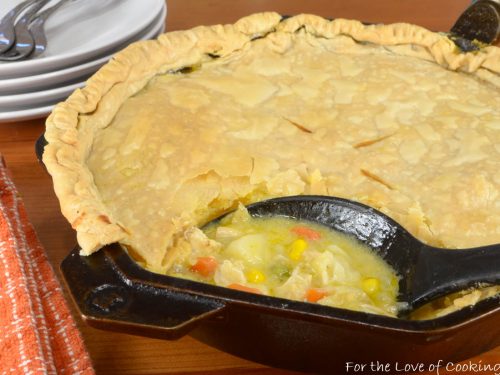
(75, 129)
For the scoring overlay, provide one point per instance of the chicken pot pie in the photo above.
(174, 132)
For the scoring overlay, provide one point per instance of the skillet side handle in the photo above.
(40, 144)
(107, 302)
(440, 272)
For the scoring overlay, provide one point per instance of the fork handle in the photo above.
(37, 28)
(31, 13)
(25, 44)
(7, 33)
(14, 12)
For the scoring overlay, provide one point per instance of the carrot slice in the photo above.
(244, 288)
(205, 266)
(306, 232)
(314, 295)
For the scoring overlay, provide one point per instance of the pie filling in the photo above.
(297, 113)
(293, 259)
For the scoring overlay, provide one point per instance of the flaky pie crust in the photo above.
(74, 124)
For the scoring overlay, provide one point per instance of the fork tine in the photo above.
(7, 34)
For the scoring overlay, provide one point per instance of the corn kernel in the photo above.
(255, 276)
(394, 282)
(371, 285)
(297, 248)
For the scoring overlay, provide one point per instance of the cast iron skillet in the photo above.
(113, 293)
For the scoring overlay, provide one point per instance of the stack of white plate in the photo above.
(82, 36)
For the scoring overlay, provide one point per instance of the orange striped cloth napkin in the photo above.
(37, 332)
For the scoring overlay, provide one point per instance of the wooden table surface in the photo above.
(114, 353)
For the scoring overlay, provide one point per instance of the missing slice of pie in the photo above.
(174, 132)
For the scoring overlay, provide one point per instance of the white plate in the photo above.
(51, 79)
(26, 114)
(82, 30)
(78, 72)
(43, 111)
(35, 99)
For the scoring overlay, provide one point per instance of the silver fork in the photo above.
(24, 40)
(37, 28)
(7, 33)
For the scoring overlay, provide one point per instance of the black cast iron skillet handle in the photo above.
(111, 299)
(439, 272)
(479, 22)
(425, 272)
